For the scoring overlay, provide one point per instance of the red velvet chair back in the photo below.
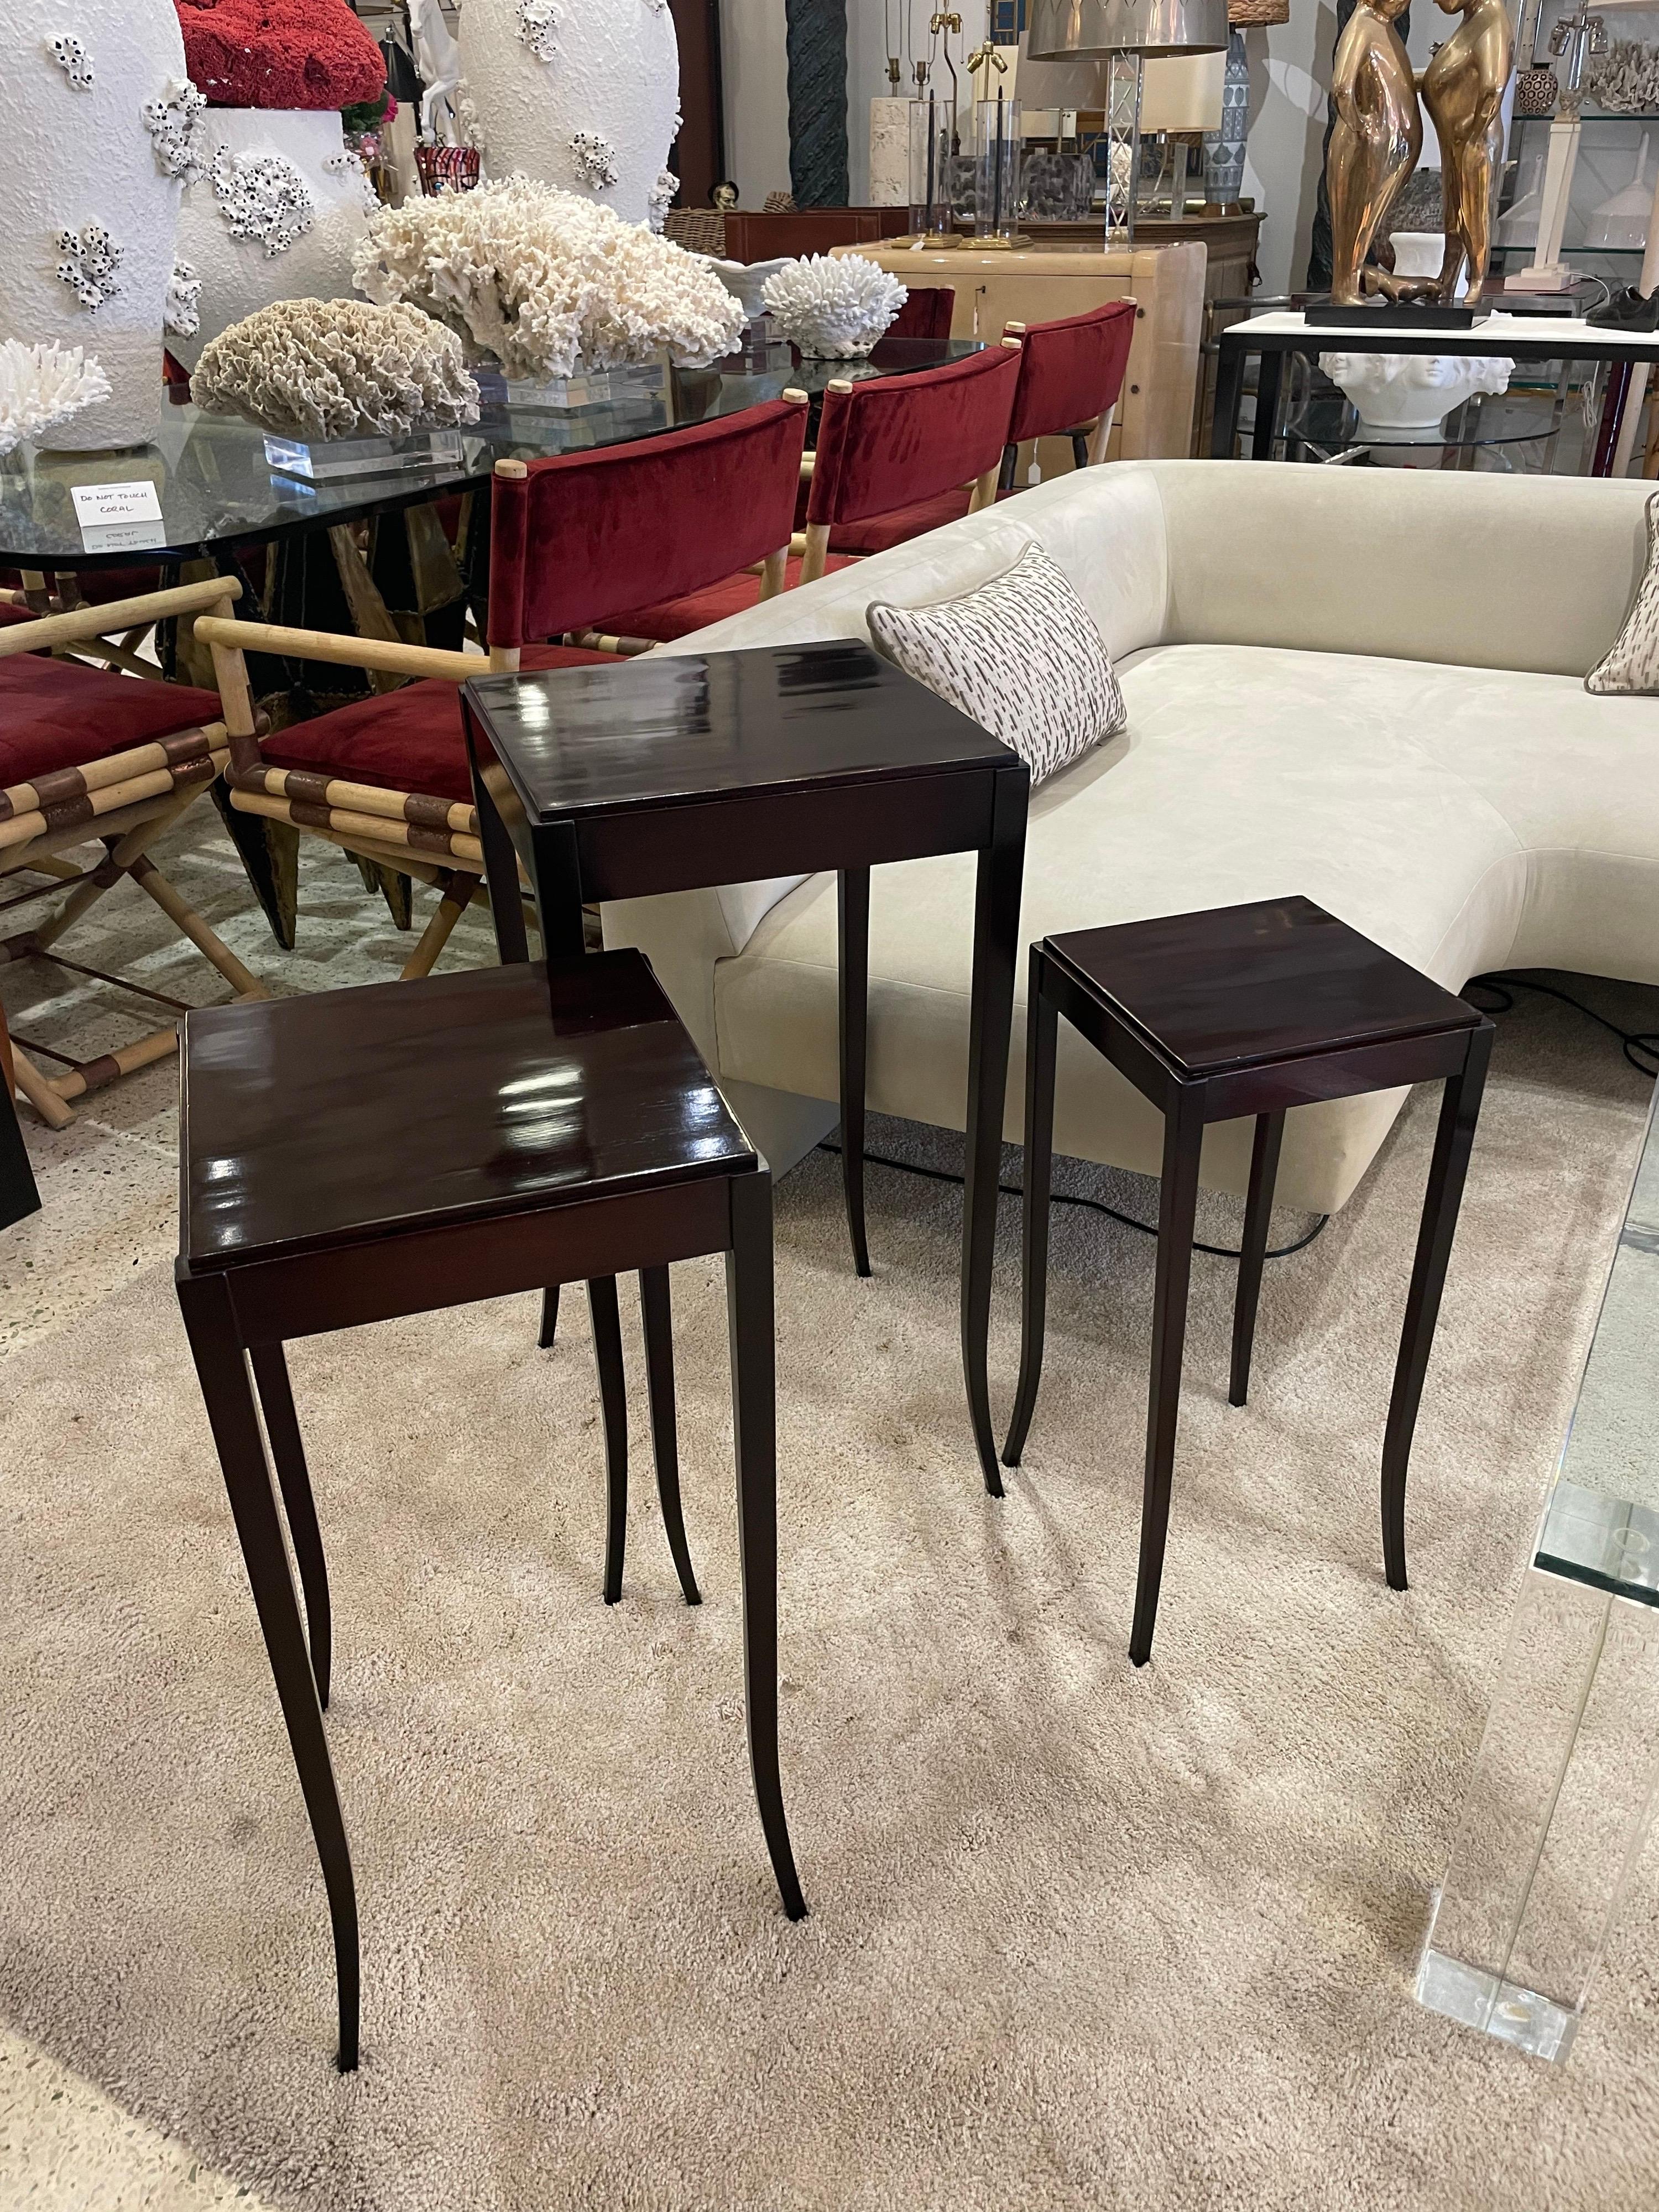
(926, 315)
(895, 439)
(580, 535)
(1071, 371)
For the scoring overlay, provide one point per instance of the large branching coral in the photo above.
(337, 368)
(835, 307)
(541, 279)
(42, 387)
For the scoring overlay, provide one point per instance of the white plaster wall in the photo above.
(616, 72)
(756, 75)
(237, 275)
(72, 158)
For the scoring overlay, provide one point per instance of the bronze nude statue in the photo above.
(1463, 90)
(1375, 142)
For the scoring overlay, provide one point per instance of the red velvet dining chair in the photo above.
(927, 313)
(571, 537)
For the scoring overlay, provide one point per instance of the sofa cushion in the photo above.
(1631, 663)
(1463, 818)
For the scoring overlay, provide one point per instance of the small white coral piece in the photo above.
(662, 196)
(174, 122)
(541, 279)
(595, 158)
(42, 387)
(538, 25)
(70, 57)
(337, 368)
(91, 258)
(262, 196)
(182, 314)
(834, 308)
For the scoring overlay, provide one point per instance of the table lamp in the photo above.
(1123, 33)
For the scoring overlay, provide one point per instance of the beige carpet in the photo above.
(1080, 1937)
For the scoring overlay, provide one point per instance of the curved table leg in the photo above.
(287, 1449)
(613, 1407)
(656, 1313)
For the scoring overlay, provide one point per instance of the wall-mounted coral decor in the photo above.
(280, 53)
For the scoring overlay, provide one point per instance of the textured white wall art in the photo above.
(247, 244)
(76, 160)
(184, 313)
(543, 76)
(540, 280)
(176, 120)
(834, 308)
(42, 388)
(337, 368)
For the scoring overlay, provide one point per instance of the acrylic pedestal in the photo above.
(1564, 1788)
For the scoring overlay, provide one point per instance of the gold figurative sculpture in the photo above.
(1375, 142)
(1463, 89)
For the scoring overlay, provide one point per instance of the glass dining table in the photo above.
(217, 487)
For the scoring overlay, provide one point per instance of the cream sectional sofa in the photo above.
(1365, 685)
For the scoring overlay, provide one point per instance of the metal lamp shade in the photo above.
(1064, 30)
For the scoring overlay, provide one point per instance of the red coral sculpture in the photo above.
(280, 53)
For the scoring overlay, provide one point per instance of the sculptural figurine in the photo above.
(1463, 89)
(1375, 142)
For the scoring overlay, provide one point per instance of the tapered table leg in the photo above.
(613, 1407)
(656, 1314)
(550, 1322)
(996, 933)
(1460, 1109)
(1184, 1138)
(1269, 377)
(1229, 394)
(852, 924)
(1253, 1248)
(221, 1369)
(1041, 1038)
(750, 1324)
(287, 1448)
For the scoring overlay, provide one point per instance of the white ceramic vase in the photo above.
(79, 159)
(587, 98)
(238, 274)
(1399, 396)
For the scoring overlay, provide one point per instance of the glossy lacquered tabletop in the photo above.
(664, 729)
(315, 1122)
(1245, 986)
(215, 486)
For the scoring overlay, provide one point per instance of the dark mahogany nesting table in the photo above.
(351, 1155)
(1244, 1010)
(673, 773)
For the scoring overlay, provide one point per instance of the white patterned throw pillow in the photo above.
(1020, 656)
(1631, 663)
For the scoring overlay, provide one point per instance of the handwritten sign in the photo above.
(118, 517)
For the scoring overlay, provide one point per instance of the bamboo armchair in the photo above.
(62, 722)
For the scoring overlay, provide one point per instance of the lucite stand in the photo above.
(1563, 1787)
(323, 460)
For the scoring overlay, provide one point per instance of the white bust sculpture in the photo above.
(1403, 392)
(581, 93)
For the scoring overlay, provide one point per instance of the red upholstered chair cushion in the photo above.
(581, 534)
(407, 740)
(56, 713)
(926, 315)
(1070, 371)
(672, 619)
(11, 614)
(890, 441)
(280, 53)
(879, 531)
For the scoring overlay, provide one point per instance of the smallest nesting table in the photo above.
(1244, 1010)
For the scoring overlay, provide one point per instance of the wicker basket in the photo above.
(1251, 15)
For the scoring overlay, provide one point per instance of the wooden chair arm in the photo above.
(388, 656)
(83, 623)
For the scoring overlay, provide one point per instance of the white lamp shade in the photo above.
(1182, 92)
(1059, 30)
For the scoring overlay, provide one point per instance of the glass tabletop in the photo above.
(1329, 423)
(216, 484)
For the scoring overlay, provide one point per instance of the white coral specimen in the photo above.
(539, 24)
(41, 386)
(91, 258)
(662, 196)
(334, 368)
(70, 57)
(835, 308)
(595, 158)
(262, 196)
(541, 279)
(174, 122)
(182, 314)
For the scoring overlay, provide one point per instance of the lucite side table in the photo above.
(1563, 1787)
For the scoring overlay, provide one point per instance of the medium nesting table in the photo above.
(673, 773)
(1244, 1010)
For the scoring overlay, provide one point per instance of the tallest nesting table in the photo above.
(673, 773)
